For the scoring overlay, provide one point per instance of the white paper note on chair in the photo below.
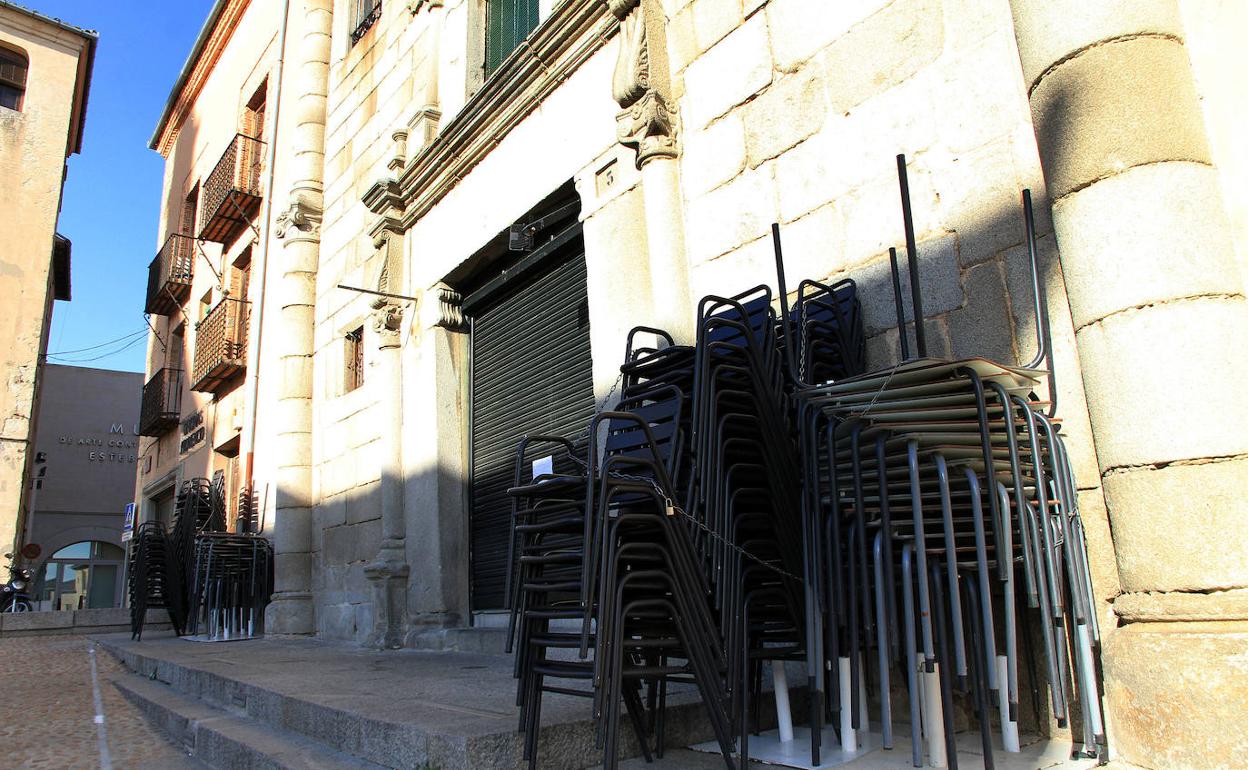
(543, 466)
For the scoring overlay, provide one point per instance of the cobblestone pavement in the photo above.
(48, 713)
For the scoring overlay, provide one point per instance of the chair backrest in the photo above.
(660, 410)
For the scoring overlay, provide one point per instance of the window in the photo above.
(366, 14)
(13, 66)
(353, 360)
(190, 211)
(251, 123)
(508, 22)
(80, 576)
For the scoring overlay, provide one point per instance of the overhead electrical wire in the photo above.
(124, 338)
(124, 348)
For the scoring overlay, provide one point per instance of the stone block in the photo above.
(294, 531)
(873, 221)
(1173, 525)
(36, 621)
(1163, 384)
(1176, 693)
(1150, 234)
(682, 42)
(712, 156)
(364, 503)
(1162, 607)
(883, 350)
(813, 246)
(938, 272)
(291, 571)
(111, 616)
(789, 111)
(981, 97)
(1116, 106)
(1051, 31)
(968, 22)
(331, 512)
(713, 20)
(1099, 539)
(880, 52)
(982, 328)
(732, 71)
(981, 199)
(336, 621)
(729, 216)
(801, 28)
(735, 271)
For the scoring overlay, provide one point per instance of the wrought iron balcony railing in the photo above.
(169, 275)
(230, 196)
(162, 402)
(221, 345)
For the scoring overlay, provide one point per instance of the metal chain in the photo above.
(605, 406)
(672, 506)
(880, 392)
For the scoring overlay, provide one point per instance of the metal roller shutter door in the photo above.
(530, 374)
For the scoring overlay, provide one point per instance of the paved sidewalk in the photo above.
(48, 716)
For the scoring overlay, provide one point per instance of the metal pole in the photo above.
(912, 256)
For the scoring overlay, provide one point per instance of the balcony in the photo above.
(221, 345)
(162, 403)
(230, 197)
(169, 276)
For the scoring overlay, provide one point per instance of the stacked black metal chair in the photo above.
(153, 578)
(596, 562)
(230, 585)
(931, 486)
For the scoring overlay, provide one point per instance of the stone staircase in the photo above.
(308, 704)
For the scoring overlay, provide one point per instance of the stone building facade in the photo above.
(45, 76)
(420, 195)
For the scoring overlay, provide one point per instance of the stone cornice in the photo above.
(574, 32)
(195, 72)
(384, 197)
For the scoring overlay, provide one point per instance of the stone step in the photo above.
(448, 710)
(222, 739)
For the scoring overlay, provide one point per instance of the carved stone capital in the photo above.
(387, 320)
(640, 84)
(299, 221)
(649, 127)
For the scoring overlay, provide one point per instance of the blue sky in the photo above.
(112, 194)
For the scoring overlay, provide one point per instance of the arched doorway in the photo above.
(84, 575)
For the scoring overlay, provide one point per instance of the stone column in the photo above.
(437, 519)
(389, 571)
(1160, 321)
(299, 226)
(641, 85)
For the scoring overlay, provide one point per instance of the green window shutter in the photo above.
(507, 23)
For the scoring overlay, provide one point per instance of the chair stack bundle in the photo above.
(759, 497)
(230, 586)
(942, 495)
(154, 578)
(215, 584)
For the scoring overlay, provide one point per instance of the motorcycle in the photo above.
(13, 594)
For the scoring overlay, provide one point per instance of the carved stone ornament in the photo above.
(649, 127)
(450, 309)
(387, 318)
(639, 83)
(299, 220)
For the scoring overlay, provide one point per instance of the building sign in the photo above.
(192, 432)
(117, 448)
(127, 526)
